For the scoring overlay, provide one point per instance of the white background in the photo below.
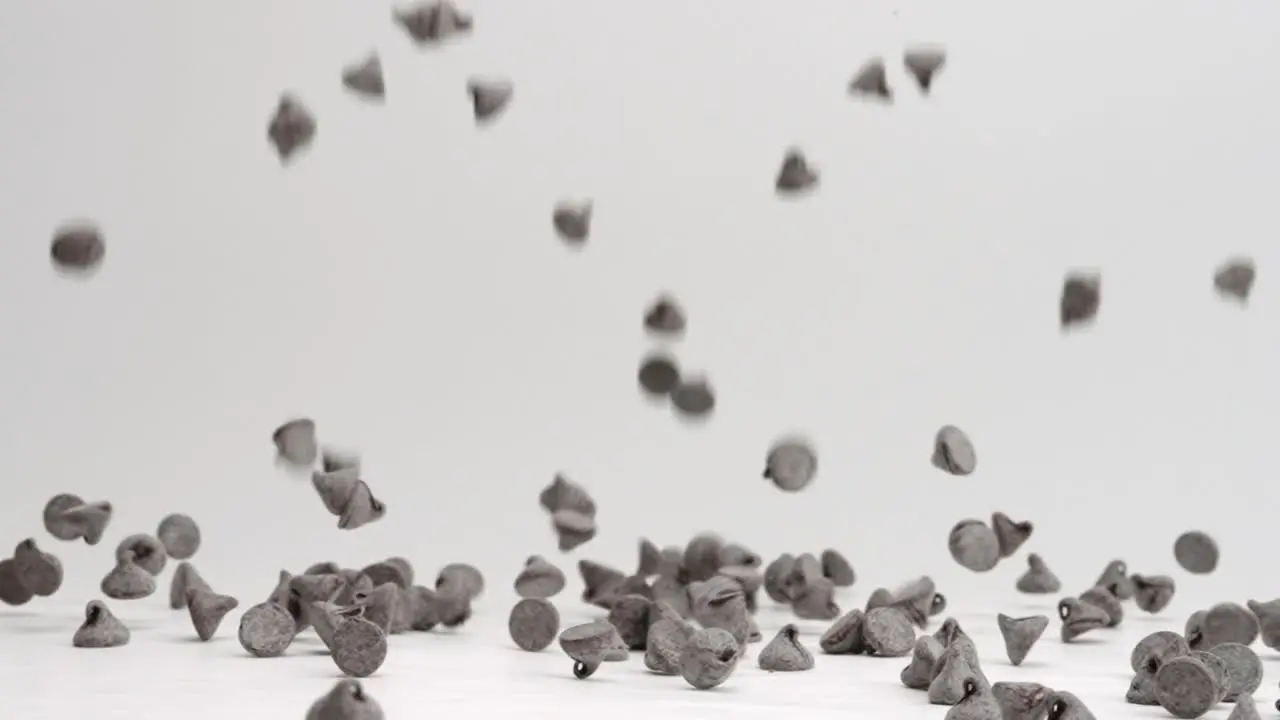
(401, 284)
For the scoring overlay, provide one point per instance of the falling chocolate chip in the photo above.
(1081, 297)
(365, 78)
(1152, 593)
(433, 22)
(1234, 279)
(953, 452)
(77, 248)
(565, 494)
(572, 222)
(791, 464)
(12, 591)
(1020, 634)
(665, 317)
(1010, 534)
(539, 579)
(693, 398)
(207, 610)
(837, 569)
(796, 174)
(68, 517)
(292, 127)
(489, 97)
(179, 535)
(1196, 552)
(1079, 618)
(295, 442)
(1101, 597)
(974, 545)
(871, 81)
(347, 496)
(147, 552)
(924, 64)
(127, 581)
(185, 579)
(659, 375)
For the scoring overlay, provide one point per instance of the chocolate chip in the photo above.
(923, 64)
(871, 81)
(292, 127)
(533, 624)
(77, 248)
(489, 97)
(100, 629)
(179, 535)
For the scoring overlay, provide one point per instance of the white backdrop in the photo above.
(400, 281)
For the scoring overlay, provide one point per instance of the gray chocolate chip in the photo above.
(665, 317)
(953, 451)
(381, 604)
(68, 517)
(978, 703)
(815, 600)
(600, 582)
(1222, 623)
(38, 571)
(1102, 598)
(957, 666)
(974, 545)
(918, 674)
(924, 64)
(1079, 617)
(1218, 667)
(433, 22)
(489, 97)
(332, 461)
(1010, 534)
(1156, 649)
(1196, 552)
(1038, 579)
(871, 81)
(880, 597)
(573, 529)
(147, 552)
(1021, 634)
(539, 579)
(346, 701)
(77, 247)
(796, 175)
(785, 653)
(179, 535)
(1115, 577)
(1234, 278)
(12, 591)
(325, 617)
(292, 127)
(1246, 709)
(1152, 593)
(649, 561)
(1065, 706)
(359, 647)
(127, 581)
(888, 632)
(693, 398)
(702, 556)
(1186, 688)
(1081, 297)
(1244, 669)
(709, 658)
(348, 497)
(266, 630)
(572, 222)
(1142, 689)
(589, 645)
(668, 635)
(1022, 700)
(845, 636)
(837, 569)
(630, 615)
(776, 573)
(101, 629)
(659, 375)
(719, 602)
(381, 573)
(207, 610)
(365, 78)
(534, 624)
(564, 494)
(295, 442)
(185, 579)
(1268, 615)
(791, 464)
